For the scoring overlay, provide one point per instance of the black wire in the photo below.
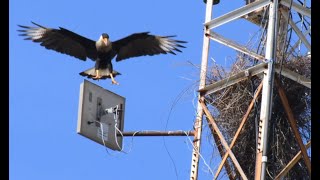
(171, 109)
(262, 35)
(302, 3)
(305, 26)
(304, 18)
(264, 32)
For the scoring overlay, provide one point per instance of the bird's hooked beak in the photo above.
(105, 40)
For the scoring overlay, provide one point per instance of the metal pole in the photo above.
(203, 72)
(156, 133)
(266, 104)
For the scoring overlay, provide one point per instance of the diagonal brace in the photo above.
(223, 141)
(244, 119)
(218, 38)
(297, 30)
(221, 151)
(293, 124)
(291, 163)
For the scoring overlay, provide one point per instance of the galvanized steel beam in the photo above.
(236, 13)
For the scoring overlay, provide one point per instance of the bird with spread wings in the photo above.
(103, 50)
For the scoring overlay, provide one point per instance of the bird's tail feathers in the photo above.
(104, 73)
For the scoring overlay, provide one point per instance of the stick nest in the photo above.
(229, 105)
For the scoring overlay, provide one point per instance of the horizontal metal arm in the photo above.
(300, 9)
(156, 133)
(237, 13)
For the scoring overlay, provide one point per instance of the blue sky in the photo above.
(160, 91)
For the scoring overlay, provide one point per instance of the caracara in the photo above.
(103, 50)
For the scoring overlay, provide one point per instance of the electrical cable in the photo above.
(177, 99)
(204, 161)
(102, 137)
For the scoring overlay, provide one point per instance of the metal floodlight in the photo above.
(213, 3)
(100, 115)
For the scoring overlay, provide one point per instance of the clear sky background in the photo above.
(160, 91)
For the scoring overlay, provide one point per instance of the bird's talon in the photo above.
(96, 77)
(115, 82)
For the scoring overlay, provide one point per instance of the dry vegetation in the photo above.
(229, 105)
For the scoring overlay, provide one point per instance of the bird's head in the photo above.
(105, 38)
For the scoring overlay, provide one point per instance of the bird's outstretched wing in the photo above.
(61, 40)
(141, 44)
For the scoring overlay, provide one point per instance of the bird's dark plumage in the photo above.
(103, 50)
